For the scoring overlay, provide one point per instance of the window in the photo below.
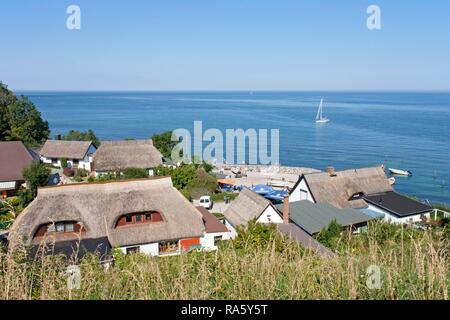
(139, 218)
(217, 239)
(69, 227)
(60, 227)
(132, 250)
(166, 247)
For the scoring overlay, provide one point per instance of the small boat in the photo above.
(391, 181)
(400, 172)
(319, 117)
(261, 189)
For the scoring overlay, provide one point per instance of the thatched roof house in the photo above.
(57, 149)
(342, 189)
(119, 155)
(128, 213)
(248, 206)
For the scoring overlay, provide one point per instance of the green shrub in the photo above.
(63, 163)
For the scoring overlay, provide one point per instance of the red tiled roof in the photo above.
(212, 224)
(14, 156)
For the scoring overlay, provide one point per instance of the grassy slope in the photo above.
(413, 265)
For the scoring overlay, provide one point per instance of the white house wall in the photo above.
(298, 195)
(207, 241)
(389, 217)
(151, 249)
(270, 215)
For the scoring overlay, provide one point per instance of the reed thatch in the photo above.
(119, 155)
(65, 149)
(337, 188)
(98, 206)
(247, 206)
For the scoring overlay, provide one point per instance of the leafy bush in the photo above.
(36, 175)
(134, 173)
(329, 235)
(82, 172)
(64, 163)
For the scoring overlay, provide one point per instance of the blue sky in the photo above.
(225, 45)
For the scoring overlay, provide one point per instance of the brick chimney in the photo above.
(286, 209)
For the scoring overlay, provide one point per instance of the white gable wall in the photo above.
(301, 192)
(269, 215)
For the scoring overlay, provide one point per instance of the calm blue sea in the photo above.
(404, 130)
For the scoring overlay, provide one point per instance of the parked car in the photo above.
(206, 202)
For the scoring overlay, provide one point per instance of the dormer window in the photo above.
(139, 218)
(58, 228)
(356, 196)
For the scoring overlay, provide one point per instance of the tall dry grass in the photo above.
(417, 267)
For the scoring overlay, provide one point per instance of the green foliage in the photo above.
(63, 163)
(329, 235)
(6, 99)
(36, 175)
(25, 123)
(82, 172)
(219, 197)
(75, 135)
(163, 142)
(134, 173)
(192, 180)
(256, 236)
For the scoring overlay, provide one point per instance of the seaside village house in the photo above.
(215, 231)
(248, 206)
(113, 156)
(14, 157)
(366, 189)
(77, 153)
(299, 220)
(143, 215)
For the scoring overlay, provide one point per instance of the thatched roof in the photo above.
(99, 205)
(336, 189)
(117, 155)
(247, 206)
(14, 157)
(65, 149)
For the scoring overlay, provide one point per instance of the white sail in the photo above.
(319, 117)
(319, 112)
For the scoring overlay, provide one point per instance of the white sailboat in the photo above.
(319, 117)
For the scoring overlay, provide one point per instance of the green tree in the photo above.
(163, 142)
(36, 175)
(26, 123)
(75, 135)
(7, 97)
